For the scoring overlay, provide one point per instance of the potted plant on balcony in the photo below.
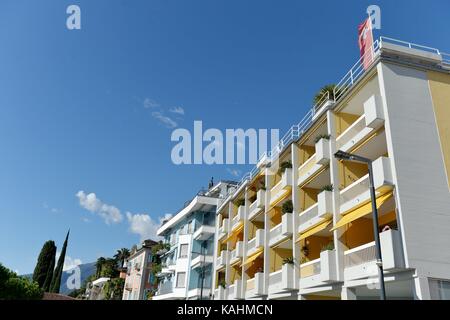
(283, 166)
(287, 207)
(223, 284)
(328, 247)
(327, 187)
(322, 136)
(327, 93)
(289, 260)
(239, 202)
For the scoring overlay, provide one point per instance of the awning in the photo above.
(235, 231)
(361, 211)
(254, 256)
(321, 226)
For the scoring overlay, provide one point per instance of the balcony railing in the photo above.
(257, 205)
(282, 187)
(282, 230)
(165, 288)
(221, 260)
(251, 284)
(359, 255)
(238, 217)
(275, 277)
(310, 268)
(237, 252)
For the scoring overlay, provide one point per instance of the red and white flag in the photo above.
(365, 41)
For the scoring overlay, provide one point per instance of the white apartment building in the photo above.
(187, 266)
(299, 226)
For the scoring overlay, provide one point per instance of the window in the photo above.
(183, 251)
(440, 289)
(181, 279)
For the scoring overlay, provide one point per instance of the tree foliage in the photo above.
(57, 274)
(43, 271)
(113, 289)
(13, 287)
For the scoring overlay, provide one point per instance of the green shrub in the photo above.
(284, 165)
(287, 207)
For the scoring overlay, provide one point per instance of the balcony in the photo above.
(358, 192)
(282, 280)
(165, 288)
(220, 293)
(359, 262)
(320, 271)
(315, 163)
(237, 253)
(255, 286)
(222, 259)
(282, 230)
(258, 205)
(239, 217)
(235, 290)
(201, 261)
(204, 232)
(223, 229)
(318, 212)
(369, 122)
(255, 243)
(282, 187)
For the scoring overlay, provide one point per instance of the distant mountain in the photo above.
(86, 270)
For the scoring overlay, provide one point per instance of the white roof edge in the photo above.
(181, 214)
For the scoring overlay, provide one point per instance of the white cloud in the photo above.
(90, 202)
(144, 226)
(150, 103)
(168, 122)
(86, 220)
(234, 172)
(69, 262)
(178, 110)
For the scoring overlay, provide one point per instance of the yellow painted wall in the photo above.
(314, 245)
(276, 257)
(308, 197)
(305, 152)
(220, 276)
(255, 266)
(235, 273)
(343, 121)
(253, 226)
(275, 216)
(349, 172)
(440, 94)
(357, 233)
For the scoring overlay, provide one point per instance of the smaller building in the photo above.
(139, 278)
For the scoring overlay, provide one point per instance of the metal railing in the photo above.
(344, 85)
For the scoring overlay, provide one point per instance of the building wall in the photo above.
(418, 166)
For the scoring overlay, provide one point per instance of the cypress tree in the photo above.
(49, 277)
(45, 263)
(57, 274)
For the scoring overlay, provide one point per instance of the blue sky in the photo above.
(89, 110)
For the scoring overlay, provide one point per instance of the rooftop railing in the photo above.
(344, 85)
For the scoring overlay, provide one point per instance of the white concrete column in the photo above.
(348, 294)
(334, 175)
(268, 183)
(296, 204)
(227, 265)
(244, 242)
(421, 288)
